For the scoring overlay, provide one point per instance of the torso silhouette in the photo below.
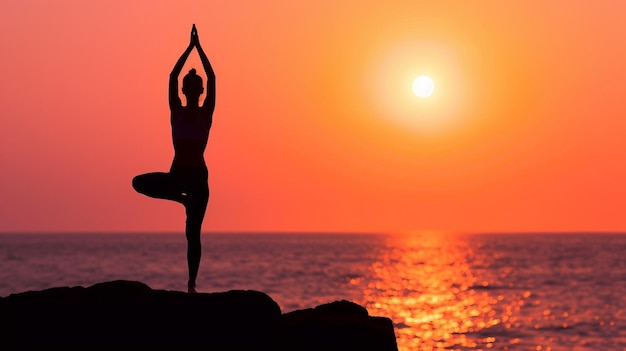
(190, 132)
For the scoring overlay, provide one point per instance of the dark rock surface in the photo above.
(338, 326)
(128, 315)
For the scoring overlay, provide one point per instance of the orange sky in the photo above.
(315, 127)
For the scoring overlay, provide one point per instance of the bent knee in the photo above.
(139, 184)
(136, 183)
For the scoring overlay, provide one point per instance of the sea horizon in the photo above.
(328, 232)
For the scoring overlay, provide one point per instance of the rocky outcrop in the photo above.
(128, 315)
(337, 326)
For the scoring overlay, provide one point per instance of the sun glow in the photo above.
(423, 86)
(402, 87)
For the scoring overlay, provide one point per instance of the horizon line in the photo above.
(322, 232)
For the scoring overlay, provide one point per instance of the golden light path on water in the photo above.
(425, 285)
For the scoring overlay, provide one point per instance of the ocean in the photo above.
(442, 292)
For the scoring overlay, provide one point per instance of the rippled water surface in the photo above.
(443, 292)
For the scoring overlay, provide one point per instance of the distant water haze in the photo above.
(462, 292)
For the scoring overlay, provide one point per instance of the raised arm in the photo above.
(178, 67)
(209, 100)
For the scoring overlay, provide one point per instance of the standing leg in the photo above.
(195, 208)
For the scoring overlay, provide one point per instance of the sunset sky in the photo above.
(316, 127)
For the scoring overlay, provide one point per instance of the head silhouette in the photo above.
(192, 86)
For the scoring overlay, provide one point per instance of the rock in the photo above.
(343, 307)
(129, 315)
(126, 315)
(338, 326)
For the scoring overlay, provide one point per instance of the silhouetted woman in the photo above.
(187, 180)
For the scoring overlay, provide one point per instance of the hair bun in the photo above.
(192, 71)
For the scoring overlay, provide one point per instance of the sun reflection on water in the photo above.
(425, 285)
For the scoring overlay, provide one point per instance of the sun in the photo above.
(423, 86)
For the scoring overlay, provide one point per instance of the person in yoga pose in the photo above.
(187, 180)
